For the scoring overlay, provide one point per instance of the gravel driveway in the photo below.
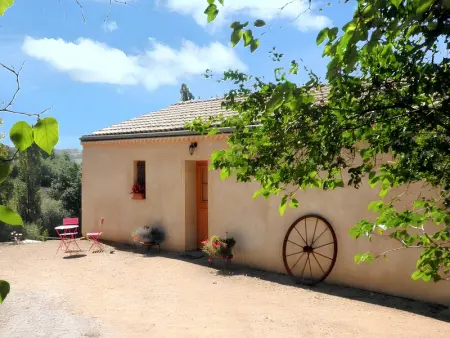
(128, 294)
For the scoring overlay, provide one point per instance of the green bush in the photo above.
(52, 215)
(5, 232)
(34, 232)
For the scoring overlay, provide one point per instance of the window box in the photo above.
(138, 196)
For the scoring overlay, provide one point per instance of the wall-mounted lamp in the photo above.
(192, 147)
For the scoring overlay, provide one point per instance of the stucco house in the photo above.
(191, 203)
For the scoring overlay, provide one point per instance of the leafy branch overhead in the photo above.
(45, 134)
(238, 31)
(381, 120)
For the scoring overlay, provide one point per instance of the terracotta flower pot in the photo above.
(138, 196)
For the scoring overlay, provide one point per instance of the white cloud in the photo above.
(91, 61)
(295, 11)
(110, 26)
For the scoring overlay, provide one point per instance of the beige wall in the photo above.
(255, 224)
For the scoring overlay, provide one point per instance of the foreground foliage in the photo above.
(383, 119)
(44, 133)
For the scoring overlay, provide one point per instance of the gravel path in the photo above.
(128, 294)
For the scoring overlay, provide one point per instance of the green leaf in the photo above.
(332, 33)
(21, 135)
(46, 134)
(373, 181)
(417, 275)
(383, 192)
(396, 3)
(349, 27)
(221, 2)
(4, 287)
(283, 205)
(254, 45)
(4, 170)
(368, 11)
(423, 6)
(213, 131)
(236, 37)
(235, 25)
(257, 193)
(224, 174)
(275, 101)
(9, 217)
(375, 206)
(248, 37)
(259, 23)
(419, 204)
(351, 60)
(211, 1)
(293, 204)
(322, 36)
(4, 5)
(367, 257)
(211, 11)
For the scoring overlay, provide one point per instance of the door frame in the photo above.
(200, 204)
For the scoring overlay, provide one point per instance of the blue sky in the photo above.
(95, 74)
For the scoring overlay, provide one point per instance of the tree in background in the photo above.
(27, 196)
(186, 95)
(66, 185)
(388, 95)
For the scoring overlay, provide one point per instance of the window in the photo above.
(140, 173)
(139, 180)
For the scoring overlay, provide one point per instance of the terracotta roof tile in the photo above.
(175, 116)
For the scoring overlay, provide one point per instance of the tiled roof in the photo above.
(174, 117)
(171, 118)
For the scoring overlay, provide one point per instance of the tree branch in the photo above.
(10, 159)
(17, 75)
(7, 108)
(81, 9)
(401, 248)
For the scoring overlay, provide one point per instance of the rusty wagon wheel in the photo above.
(309, 249)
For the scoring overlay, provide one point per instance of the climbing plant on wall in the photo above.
(387, 95)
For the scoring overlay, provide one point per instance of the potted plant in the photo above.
(148, 236)
(217, 247)
(138, 191)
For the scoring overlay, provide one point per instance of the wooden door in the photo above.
(202, 202)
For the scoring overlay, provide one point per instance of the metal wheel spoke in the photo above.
(298, 260)
(295, 244)
(310, 270)
(295, 253)
(320, 236)
(307, 260)
(300, 235)
(306, 231)
(315, 228)
(317, 247)
(318, 263)
(324, 256)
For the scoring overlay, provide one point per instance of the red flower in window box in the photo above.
(138, 191)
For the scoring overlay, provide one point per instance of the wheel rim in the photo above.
(309, 250)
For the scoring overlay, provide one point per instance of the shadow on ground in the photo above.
(436, 311)
(75, 256)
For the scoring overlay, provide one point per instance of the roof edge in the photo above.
(159, 134)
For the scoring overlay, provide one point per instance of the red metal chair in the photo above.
(67, 233)
(94, 237)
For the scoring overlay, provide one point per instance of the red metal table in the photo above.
(67, 235)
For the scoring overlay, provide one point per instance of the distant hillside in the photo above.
(74, 154)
